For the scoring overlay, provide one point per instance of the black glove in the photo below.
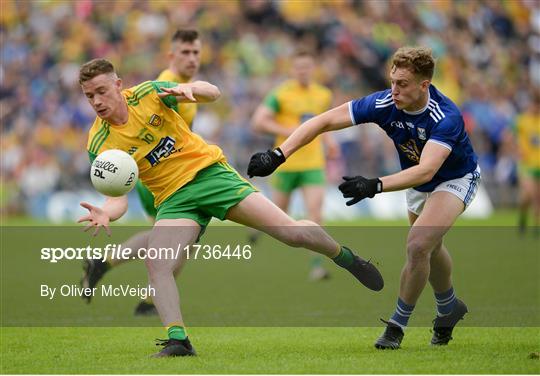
(263, 164)
(358, 187)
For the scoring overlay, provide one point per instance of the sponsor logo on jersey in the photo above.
(155, 120)
(410, 150)
(132, 150)
(164, 148)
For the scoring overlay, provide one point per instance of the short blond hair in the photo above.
(94, 68)
(418, 60)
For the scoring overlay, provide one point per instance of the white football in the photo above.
(114, 173)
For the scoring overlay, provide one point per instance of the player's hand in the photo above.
(181, 91)
(263, 164)
(96, 218)
(359, 188)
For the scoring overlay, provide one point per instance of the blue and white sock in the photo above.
(446, 301)
(402, 314)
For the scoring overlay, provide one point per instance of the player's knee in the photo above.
(437, 249)
(418, 250)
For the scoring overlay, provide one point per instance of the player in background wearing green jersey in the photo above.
(286, 107)
(527, 133)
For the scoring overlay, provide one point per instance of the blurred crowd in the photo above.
(488, 62)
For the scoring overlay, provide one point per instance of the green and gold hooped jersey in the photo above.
(186, 110)
(292, 105)
(167, 153)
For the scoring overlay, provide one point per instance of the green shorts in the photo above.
(288, 181)
(533, 172)
(147, 199)
(211, 193)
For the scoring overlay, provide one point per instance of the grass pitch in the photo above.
(268, 350)
(265, 317)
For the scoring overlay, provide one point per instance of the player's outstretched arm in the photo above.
(198, 91)
(112, 209)
(431, 160)
(263, 164)
(331, 120)
(357, 188)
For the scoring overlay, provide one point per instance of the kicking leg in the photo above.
(258, 212)
(281, 199)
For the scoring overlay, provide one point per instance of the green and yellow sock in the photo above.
(345, 258)
(176, 331)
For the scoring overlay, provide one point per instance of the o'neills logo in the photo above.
(107, 166)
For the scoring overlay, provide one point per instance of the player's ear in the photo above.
(425, 84)
(118, 83)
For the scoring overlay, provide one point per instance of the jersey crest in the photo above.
(411, 151)
(421, 133)
(155, 120)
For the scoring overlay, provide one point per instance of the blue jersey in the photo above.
(440, 122)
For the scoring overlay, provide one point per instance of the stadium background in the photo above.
(242, 318)
(488, 62)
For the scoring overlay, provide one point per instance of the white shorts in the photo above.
(464, 188)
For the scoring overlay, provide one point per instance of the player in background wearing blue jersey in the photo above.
(439, 171)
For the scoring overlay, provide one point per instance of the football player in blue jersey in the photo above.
(439, 172)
